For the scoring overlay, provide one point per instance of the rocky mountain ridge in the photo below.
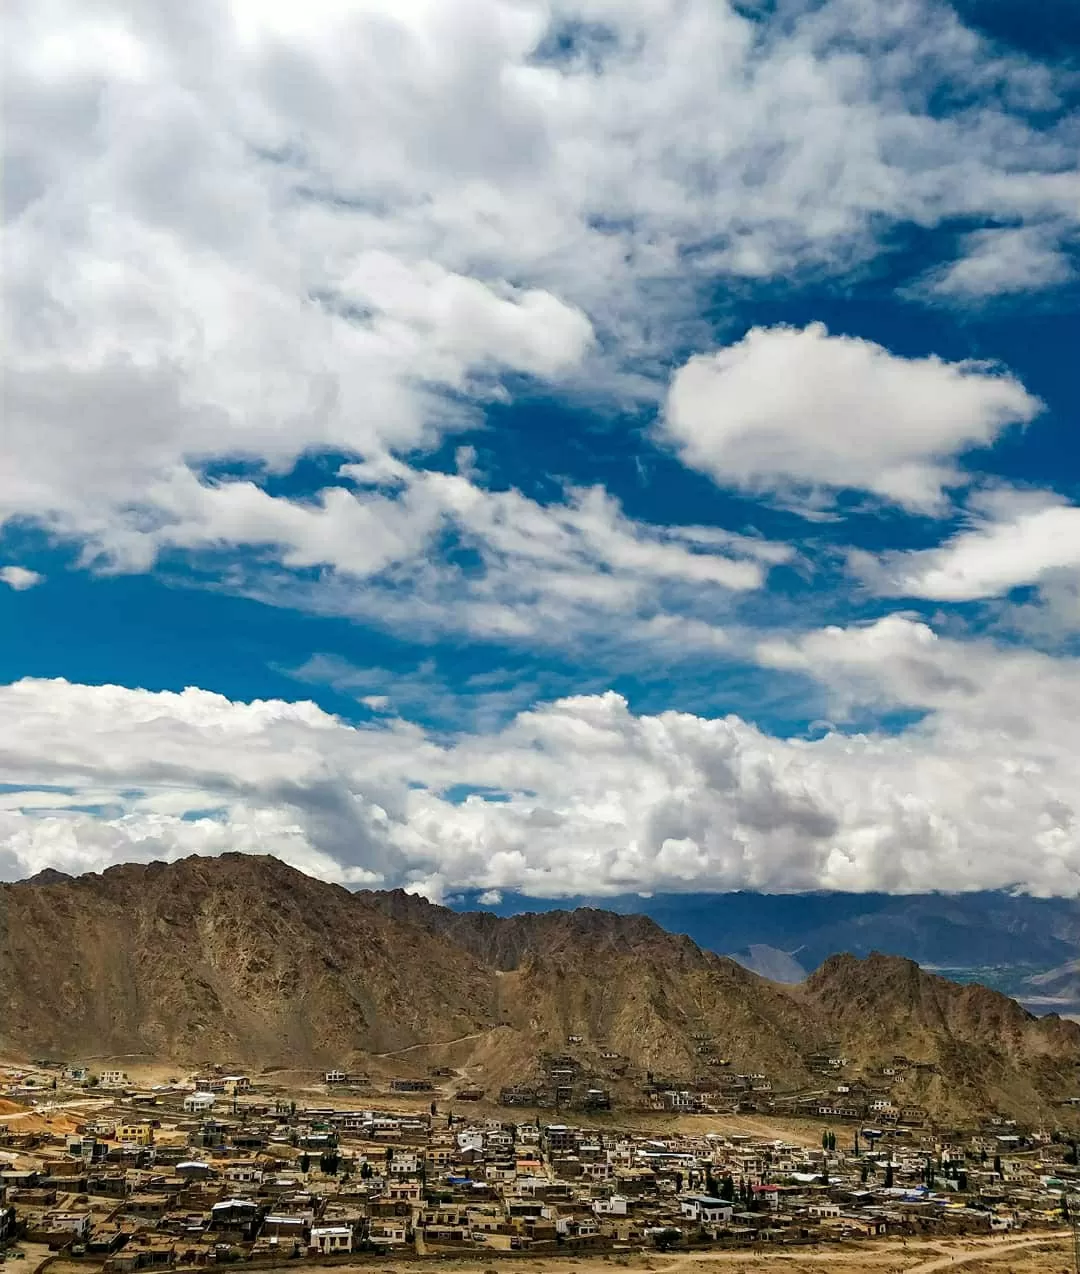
(244, 957)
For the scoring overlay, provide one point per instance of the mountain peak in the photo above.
(244, 957)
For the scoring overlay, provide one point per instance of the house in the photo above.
(560, 1138)
(823, 1209)
(243, 1172)
(331, 1238)
(76, 1223)
(140, 1134)
(336, 1077)
(388, 1230)
(707, 1210)
(236, 1083)
(199, 1103)
(617, 1205)
(404, 1190)
(234, 1214)
(113, 1079)
(285, 1228)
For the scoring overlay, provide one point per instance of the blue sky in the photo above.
(582, 449)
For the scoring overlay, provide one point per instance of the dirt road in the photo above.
(1044, 1253)
(892, 1256)
(988, 1248)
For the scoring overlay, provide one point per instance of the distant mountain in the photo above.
(1054, 990)
(244, 958)
(991, 935)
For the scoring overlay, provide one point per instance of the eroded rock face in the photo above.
(246, 958)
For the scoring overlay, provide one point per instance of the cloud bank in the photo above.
(246, 232)
(581, 794)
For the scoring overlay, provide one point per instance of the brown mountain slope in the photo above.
(243, 957)
(988, 1051)
(236, 956)
(625, 982)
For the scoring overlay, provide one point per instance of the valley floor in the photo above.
(1005, 1254)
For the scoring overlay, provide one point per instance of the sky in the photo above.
(602, 447)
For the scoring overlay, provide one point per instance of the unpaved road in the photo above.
(1043, 1253)
(891, 1255)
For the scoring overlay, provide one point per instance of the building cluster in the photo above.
(162, 1178)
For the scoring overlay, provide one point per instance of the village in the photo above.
(102, 1173)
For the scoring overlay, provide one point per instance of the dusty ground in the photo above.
(1022, 1254)
(59, 1117)
(1006, 1254)
(306, 1088)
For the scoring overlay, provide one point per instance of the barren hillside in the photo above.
(246, 958)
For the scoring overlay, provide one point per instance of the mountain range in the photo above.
(244, 958)
(1019, 944)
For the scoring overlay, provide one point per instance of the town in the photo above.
(108, 1174)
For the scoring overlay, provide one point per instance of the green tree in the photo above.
(727, 1188)
(888, 1176)
(305, 1162)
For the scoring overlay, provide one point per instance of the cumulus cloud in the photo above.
(244, 231)
(19, 577)
(790, 408)
(581, 794)
(1017, 539)
(1000, 262)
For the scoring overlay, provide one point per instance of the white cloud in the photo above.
(788, 408)
(19, 577)
(243, 230)
(582, 795)
(999, 262)
(537, 568)
(1027, 541)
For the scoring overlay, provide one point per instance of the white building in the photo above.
(331, 1238)
(707, 1210)
(113, 1079)
(199, 1103)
